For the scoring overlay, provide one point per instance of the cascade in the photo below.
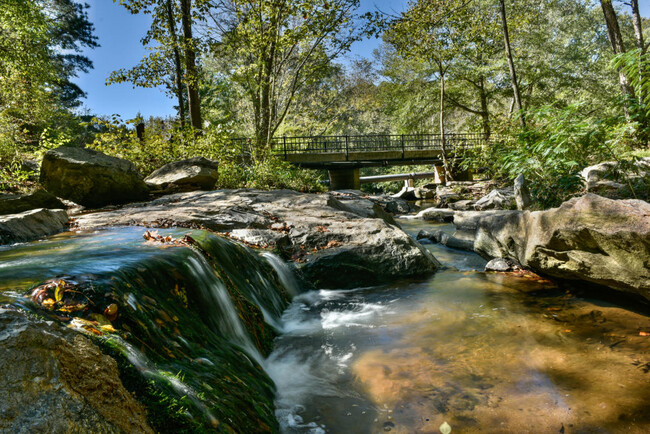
(186, 318)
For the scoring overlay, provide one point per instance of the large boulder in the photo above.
(16, 203)
(55, 380)
(31, 225)
(590, 238)
(196, 173)
(336, 244)
(90, 178)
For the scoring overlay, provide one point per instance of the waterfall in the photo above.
(223, 313)
(194, 322)
(284, 272)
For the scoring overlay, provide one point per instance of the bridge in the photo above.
(343, 156)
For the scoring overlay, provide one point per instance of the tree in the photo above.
(616, 40)
(640, 44)
(276, 50)
(511, 63)
(172, 61)
(436, 31)
(40, 42)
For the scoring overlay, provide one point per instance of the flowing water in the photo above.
(187, 319)
(482, 352)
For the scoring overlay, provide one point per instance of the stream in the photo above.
(474, 351)
(482, 352)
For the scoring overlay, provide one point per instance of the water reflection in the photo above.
(480, 351)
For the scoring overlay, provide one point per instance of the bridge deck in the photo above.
(328, 151)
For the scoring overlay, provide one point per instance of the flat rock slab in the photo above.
(31, 225)
(335, 244)
(17, 203)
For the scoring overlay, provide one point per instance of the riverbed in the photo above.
(480, 352)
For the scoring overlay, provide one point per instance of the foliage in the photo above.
(40, 42)
(164, 143)
(558, 144)
(276, 52)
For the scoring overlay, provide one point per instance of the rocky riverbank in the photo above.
(589, 238)
(336, 242)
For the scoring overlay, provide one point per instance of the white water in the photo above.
(284, 273)
(225, 315)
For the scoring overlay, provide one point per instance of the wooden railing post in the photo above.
(347, 150)
(284, 145)
(403, 148)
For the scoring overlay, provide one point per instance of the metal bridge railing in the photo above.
(285, 146)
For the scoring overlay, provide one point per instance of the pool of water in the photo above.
(482, 352)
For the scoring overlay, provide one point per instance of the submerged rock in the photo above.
(502, 265)
(16, 203)
(91, 178)
(589, 238)
(196, 173)
(55, 380)
(31, 225)
(334, 243)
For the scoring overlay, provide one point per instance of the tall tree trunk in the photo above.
(485, 113)
(615, 38)
(443, 141)
(638, 33)
(191, 77)
(511, 64)
(171, 22)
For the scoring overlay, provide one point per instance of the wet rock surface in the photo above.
(31, 225)
(91, 178)
(589, 238)
(55, 380)
(336, 242)
(17, 203)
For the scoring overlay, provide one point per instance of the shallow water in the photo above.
(483, 352)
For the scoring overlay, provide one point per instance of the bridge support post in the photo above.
(344, 179)
(440, 175)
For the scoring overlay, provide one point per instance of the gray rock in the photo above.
(30, 166)
(462, 205)
(424, 193)
(445, 239)
(440, 215)
(196, 173)
(91, 178)
(16, 203)
(406, 193)
(496, 199)
(57, 381)
(334, 244)
(522, 193)
(603, 176)
(590, 238)
(31, 225)
(502, 265)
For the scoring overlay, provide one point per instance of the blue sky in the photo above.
(119, 36)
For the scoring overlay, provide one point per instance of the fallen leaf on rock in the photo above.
(644, 334)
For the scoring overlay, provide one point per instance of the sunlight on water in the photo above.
(481, 351)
